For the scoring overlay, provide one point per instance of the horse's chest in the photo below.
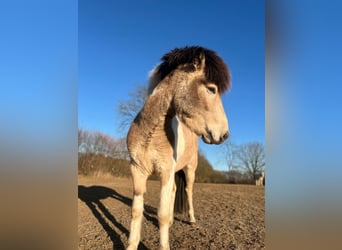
(179, 139)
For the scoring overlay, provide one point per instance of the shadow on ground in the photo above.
(92, 197)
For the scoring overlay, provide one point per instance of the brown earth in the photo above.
(228, 216)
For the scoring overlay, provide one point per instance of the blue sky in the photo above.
(121, 41)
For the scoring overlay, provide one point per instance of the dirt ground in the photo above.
(228, 216)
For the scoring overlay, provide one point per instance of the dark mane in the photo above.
(216, 70)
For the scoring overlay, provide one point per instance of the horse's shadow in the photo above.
(92, 197)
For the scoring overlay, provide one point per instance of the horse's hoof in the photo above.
(192, 224)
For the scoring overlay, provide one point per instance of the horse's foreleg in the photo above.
(164, 212)
(190, 179)
(172, 204)
(139, 188)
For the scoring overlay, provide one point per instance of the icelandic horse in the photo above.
(260, 180)
(183, 103)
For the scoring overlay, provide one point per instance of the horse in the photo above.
(260, 180)
(183, 103)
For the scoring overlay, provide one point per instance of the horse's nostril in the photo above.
(225, 136)
(211, 136)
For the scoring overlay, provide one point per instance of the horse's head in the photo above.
(198, 78)
(199, 106)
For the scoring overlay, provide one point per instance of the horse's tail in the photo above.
(181, 199)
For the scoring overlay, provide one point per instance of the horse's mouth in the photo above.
(205, 139)
(208, 138)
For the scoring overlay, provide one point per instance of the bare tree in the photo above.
(98, 152)
(251, 158)
(121, 150)
(83, 141)
(229, 157)
(99, 143)
(128, 109)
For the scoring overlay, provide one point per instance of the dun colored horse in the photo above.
(260, 180)
(184, 103)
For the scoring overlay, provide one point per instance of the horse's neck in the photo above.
(156, 111)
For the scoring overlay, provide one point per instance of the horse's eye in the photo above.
(211, 89)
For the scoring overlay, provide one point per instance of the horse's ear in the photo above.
(199, 62)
